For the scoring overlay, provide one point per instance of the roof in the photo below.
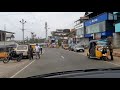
(6, 31)
(9, 35)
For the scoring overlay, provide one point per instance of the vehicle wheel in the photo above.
(104, 58)
(83, 51)
(19, 58)
(6, 60)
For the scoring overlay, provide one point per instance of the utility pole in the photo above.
(23, 22)
(46, 29)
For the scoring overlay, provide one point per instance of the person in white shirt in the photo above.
(37, 50)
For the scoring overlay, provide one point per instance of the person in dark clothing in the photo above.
(30, 52)
(110, 49)
(41, 49)
(104, 51)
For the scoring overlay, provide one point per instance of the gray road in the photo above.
(55, 60)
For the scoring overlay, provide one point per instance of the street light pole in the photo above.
(23, 22)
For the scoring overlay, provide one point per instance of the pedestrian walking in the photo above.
(37, 50)
(111, 50)
(41, 49)
(30, 52)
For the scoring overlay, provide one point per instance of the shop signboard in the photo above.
(97, 19)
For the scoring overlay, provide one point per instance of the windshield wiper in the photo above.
(73, 71)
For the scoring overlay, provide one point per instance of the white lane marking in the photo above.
(62, 57)
(113, 63)
(22, 69)
(43, 51)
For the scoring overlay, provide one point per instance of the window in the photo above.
(80, 31)
(22, 48)
(99, 27)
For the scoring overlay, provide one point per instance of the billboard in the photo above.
(96, 19)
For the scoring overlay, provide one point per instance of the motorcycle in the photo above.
(13, 56)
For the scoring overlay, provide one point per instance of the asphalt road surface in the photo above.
(55, 60)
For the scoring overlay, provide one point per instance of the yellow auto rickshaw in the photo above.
(98, 49)
(4, 52)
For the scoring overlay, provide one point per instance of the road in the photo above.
(55, 60)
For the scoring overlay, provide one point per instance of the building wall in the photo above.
(84, 41)
(116, 40)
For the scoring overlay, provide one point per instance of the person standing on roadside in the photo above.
(41, 49)
(30, 52)
(111, 50)
(37, 50)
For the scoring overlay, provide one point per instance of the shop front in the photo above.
(80, 33)
(117, 35)
(99, 27)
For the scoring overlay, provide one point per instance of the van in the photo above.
(22, 49)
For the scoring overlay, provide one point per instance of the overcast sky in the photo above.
(36, 22)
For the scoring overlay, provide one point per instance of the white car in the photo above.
(78, 48)
(22, 49)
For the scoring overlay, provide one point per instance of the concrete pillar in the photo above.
(116, 40)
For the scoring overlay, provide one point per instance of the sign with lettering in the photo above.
(97, 19)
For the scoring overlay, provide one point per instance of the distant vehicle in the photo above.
(78, 48)
(53, 45)
(22, 49)
(66, 46)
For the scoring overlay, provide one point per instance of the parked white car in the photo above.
(22, 49)
(79, 48)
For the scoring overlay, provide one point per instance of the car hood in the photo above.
(72, 72)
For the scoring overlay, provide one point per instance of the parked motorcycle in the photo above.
(13, 56)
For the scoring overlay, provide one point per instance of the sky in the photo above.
(35, 22)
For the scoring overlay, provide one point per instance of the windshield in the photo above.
(79, 46)
(102, 43)
(49, 42)
(22, 48)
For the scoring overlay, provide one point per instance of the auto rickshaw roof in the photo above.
(98, 40)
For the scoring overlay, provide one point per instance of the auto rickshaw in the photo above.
(4, 52)
(98, 49)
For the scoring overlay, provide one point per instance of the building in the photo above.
(6, 36)
(61, 34)
(116, 40)
(9, 36)
(100, 26)
(80, 30)
(72, 37)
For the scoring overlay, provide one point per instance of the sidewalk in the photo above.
(116, 52)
